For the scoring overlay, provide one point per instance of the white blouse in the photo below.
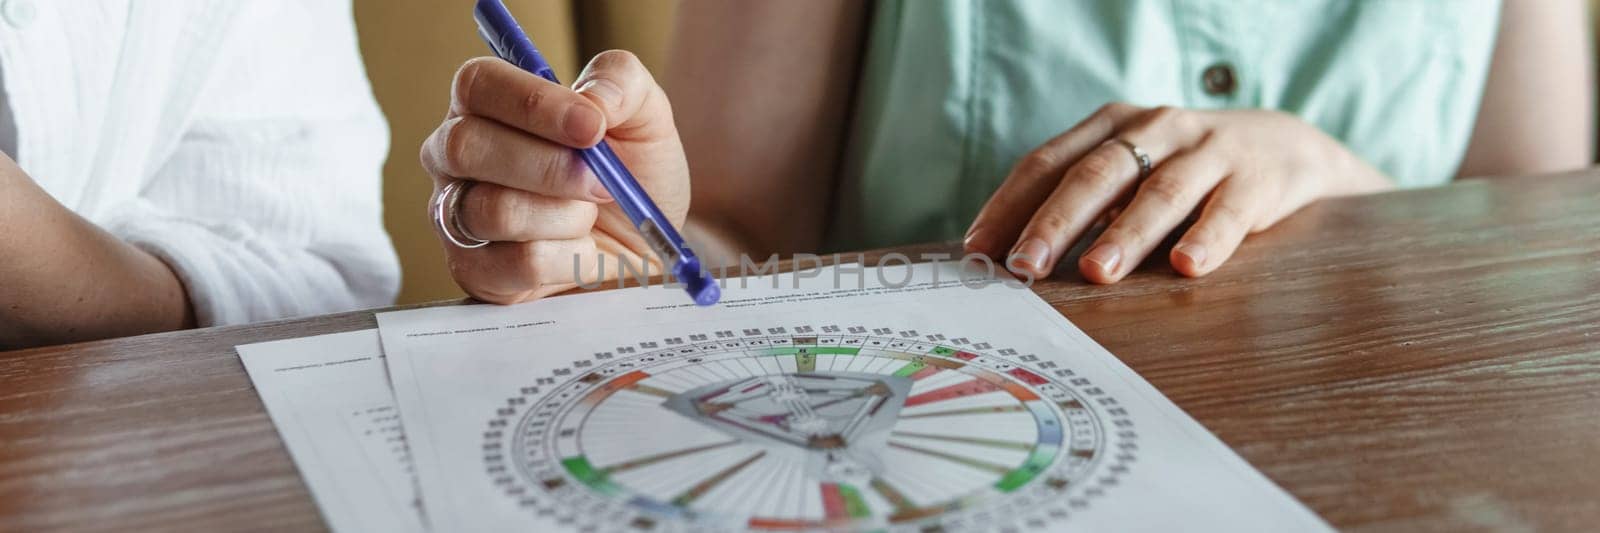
(237, 140)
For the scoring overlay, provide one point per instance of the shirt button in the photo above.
(19, 13)
(1219, 80)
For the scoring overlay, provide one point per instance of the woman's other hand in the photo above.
(1240, 171)
(511, 135)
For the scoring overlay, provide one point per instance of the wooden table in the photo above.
(1419, 360)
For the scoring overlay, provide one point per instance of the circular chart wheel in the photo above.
(808, 428)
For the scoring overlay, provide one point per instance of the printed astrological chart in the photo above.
(809, 428)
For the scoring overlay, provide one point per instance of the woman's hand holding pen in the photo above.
(512, 134)
(1240, 171)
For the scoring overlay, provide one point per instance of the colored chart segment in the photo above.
(607, 388)
(818, 350)
(854, 506)
(805, 362)
(586, 473)
(911, 369)
(950, 392)
(833, 504)
(828, 432)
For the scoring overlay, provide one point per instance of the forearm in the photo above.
(64, 279)
(1537, 114)
(763, 125)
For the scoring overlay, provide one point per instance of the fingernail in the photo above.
(974, 242)
(604, 89)
(1031, 253)
(1106, 256)
(581, 123)
(1196, 253)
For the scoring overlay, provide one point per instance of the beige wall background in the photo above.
(412, 49)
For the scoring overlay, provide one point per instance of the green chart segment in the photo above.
(805, 357)
(587, 474)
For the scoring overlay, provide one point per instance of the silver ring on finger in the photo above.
(447, 215)
(1139, 155)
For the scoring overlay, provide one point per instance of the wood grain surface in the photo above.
(1418, 360)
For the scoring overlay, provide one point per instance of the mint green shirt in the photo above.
(953, 92)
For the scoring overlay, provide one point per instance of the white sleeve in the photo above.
(270, 205)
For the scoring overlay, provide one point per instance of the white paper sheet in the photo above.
(329, 396)
(809, 407)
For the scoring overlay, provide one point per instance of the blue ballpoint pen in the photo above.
(505, 36)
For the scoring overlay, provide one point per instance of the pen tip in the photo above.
(707, 294)
(698, 283)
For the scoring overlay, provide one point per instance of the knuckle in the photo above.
(1230, 215)
(1212, 141)
(1161, 121)
(1038, 162)
(540, 263)
(498, 209)
(1117, 233)
(555, 173)
(525, 259)
(1104, 120)
(1115, 108)
(1167, 190)
(1167, 115)
(665, 105)
(1048, 222)
(427, 150)
(534, 101)
(1100, 126)
(1130, 231)
(466, 78)
(1204, 234)
(507, 203)
(455, 145)
(581, 214)
(1096, 170)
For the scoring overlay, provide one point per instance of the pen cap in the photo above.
(500, 30)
